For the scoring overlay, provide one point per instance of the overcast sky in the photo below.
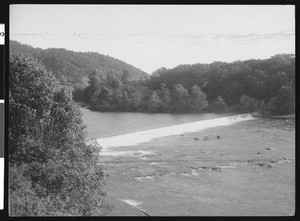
(154, 36)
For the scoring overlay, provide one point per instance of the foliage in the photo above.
(72, 67)
(130, 90)
(165, 96)
(53, 171)
(198, 99)
(180, 98)
(259, 79)
(78, 92)
(30, 97)
(94, 83)
(248, 104)
(154, 102)
(283, 103)
(244, 84)
(219, 104)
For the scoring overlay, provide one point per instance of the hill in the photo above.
(256, 78)
(74, 67)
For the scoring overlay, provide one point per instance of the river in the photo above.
(206, 168)
(106, 124)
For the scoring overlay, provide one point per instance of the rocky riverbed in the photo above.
(244, 169)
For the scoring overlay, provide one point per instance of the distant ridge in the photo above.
(75, 67)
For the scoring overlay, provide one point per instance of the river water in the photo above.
(113, 129)
(106, 124)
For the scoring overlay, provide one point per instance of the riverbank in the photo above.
(244, 169)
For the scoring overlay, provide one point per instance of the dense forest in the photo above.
(71, 67)
(53, 170)
(266, 86)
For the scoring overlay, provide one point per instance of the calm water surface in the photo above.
(105, 124)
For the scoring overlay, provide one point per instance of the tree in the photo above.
(73, 171)
(137, 94)
(125, 76)
(113, 81)
(63, 79)
(219, 104)
(30, 96)
(274, 82)
(94, 84)
(125, 102)
(154, 102)
(249, 104)
(259, 90)
(283, 103)
(102, 99)
(159, 72)
(78, 92)
(198, 100)
(52, 170)
(165, 97)
(180, 98)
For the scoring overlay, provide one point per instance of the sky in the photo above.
(153, 36)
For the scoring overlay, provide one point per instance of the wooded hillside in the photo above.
(108, 84)
(74, 67)
(266, 85)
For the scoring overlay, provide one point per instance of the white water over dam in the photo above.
(147, 135)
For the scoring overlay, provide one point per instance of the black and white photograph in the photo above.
(151, 110)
